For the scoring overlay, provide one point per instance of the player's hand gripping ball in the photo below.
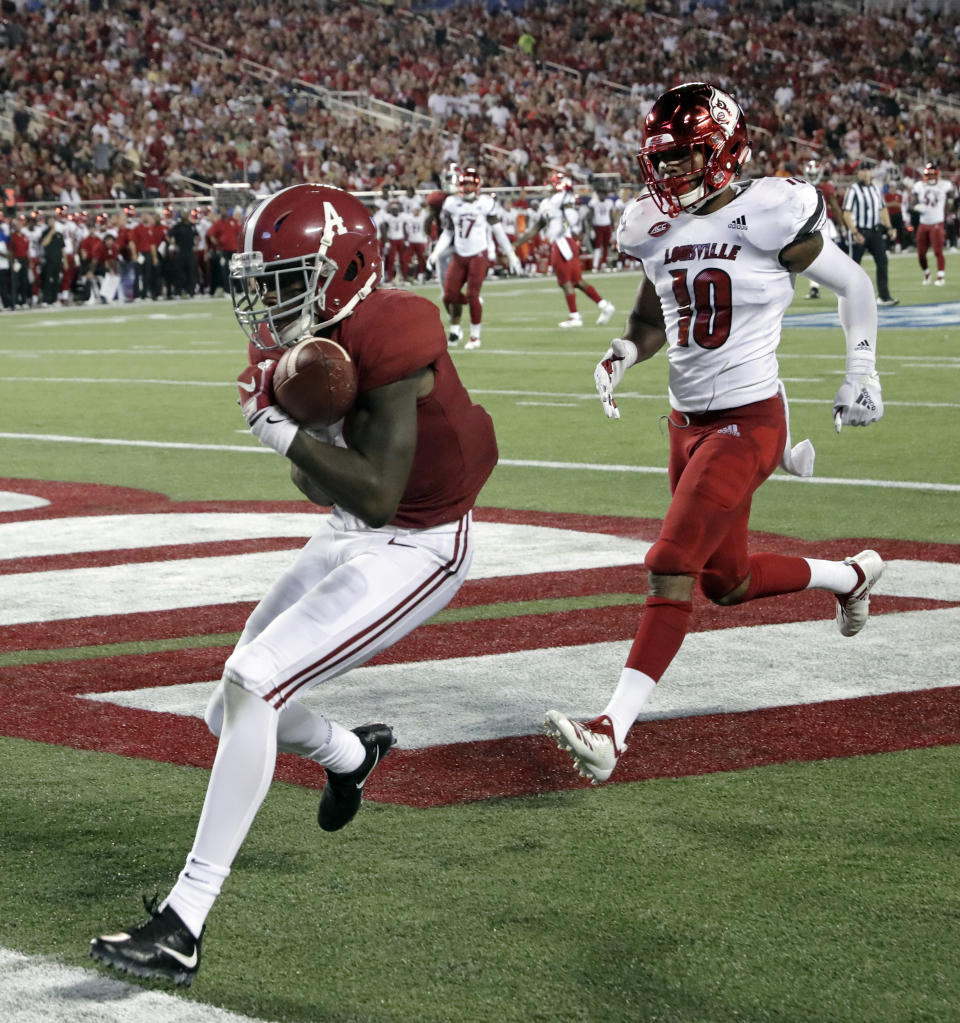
(315, 382)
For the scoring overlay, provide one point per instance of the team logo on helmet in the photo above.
(724, 110)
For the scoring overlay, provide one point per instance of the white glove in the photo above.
(141, 259)
(431, 262)
(619, 357)
(858, 402)
(516, 267)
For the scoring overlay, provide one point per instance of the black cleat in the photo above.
(343, 793)
(161, 947)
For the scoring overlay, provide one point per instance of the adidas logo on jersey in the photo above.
(733, 430)
(740, 224)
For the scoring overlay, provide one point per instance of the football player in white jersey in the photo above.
(719, 258)
(930, 196)
(559, 220)
(467, 220)
(602, 207)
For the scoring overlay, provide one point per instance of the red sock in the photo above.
(571, 302)
(591, 292)
(771, 574)
(660, 635)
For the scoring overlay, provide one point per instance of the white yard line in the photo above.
(58, 438)
(37, 989)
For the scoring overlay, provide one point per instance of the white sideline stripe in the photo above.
(949, 488)
(469, 699)
(501, 549)
(539, 396)
(37, 989)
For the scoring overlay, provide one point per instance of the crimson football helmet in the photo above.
(931, 173)
(694, 144)
(468, 183)
(561, 182)
(309, 254)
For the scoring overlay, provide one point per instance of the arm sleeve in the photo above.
(500, 237)
(443, 243)
(857, 305)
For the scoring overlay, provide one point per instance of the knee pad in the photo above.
(716, 586)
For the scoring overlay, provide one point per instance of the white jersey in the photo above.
(413, 227)
(560, 215)
(930, 200)
(468, 219)
(601, 210)
(393, 222)
(722, 287)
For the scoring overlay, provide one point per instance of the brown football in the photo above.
(315, 382)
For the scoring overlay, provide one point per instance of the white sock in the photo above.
(239, 781)
(834, 576)
(196, 890)
(632, 692)
(342, 753)
(474, 329)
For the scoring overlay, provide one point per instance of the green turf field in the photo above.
(820, 891)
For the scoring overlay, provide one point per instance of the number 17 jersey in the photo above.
(722, 287)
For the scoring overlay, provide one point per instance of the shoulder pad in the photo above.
(783, 210)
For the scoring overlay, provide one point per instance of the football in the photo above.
(315, 382)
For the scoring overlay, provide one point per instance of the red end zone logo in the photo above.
(163, 587)
(661, 227)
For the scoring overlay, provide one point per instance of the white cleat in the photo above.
(591, 744)
(573, 321)
(474, 342)
(926, 278)
(854, 607)
(940, 281)
(607, 309)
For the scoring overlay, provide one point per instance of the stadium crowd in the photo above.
(112, 102)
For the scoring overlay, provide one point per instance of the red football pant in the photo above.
(717, 461)
(931, 236)
(469, 270)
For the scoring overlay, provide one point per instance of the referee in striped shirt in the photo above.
(868, 221)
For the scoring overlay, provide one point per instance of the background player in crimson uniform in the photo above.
(223, 238)
(719, 259)
(403, 472)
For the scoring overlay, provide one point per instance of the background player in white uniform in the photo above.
(719, 259)
(416, 241)
(602, 207)
(467, 218)
(393, 240)
(559, 219)
(930, 196)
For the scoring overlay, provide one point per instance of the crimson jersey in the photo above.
(456, 445)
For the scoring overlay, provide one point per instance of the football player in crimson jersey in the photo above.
(402, 472)
(718, 258)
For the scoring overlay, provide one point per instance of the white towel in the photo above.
(798, 459)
